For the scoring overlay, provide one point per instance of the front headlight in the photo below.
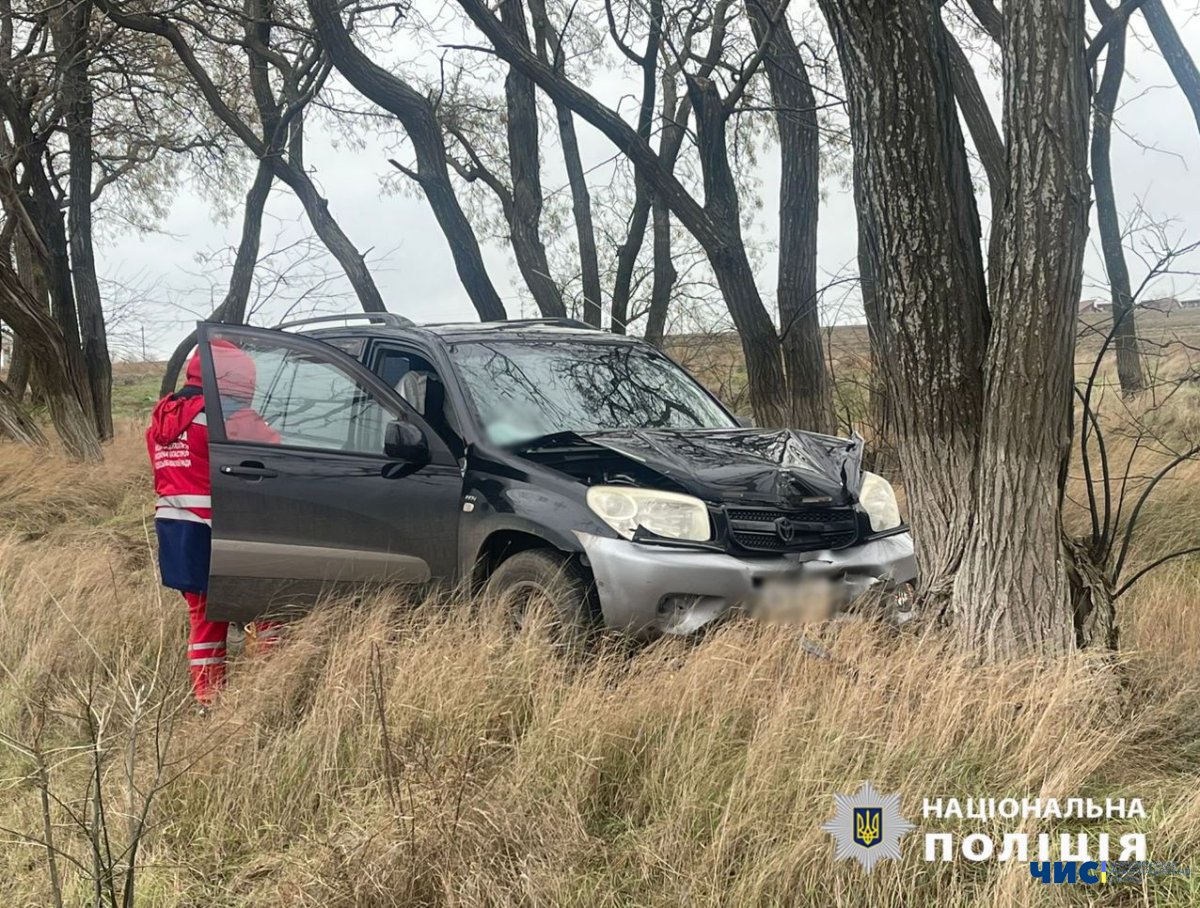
(625, 508)
(878, 499)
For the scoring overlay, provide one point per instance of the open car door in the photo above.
(323, 478)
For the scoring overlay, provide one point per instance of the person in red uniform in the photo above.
(177, 442)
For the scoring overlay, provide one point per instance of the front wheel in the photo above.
(549, 590)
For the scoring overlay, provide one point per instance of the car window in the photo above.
(417, 381)
(525, 389)
(279, 395)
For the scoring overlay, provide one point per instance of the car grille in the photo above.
(757, 529)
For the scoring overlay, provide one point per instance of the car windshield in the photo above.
(525, 389)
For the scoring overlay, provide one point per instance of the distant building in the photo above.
(1165, 304)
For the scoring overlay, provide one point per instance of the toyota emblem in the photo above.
(785, 529)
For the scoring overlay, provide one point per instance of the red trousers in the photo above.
(206, 647)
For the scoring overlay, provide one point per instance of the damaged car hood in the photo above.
(761, 466)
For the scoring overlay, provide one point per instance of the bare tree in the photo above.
(550, 50)
(415, 112)
(1129, 360)
(232, 310)
(799, 205)
(1175, 52)
(716, 223)
(299, 66)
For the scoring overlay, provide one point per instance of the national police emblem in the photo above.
(867, 826)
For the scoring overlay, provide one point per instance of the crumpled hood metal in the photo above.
(760, 466)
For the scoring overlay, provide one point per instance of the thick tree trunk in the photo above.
(18, 370)
(1011, 595)
(524, 154)
(15, 423)
(416, 115)
(232, 310)
(76, 95)
(1175, 52)
(47, 347)
(664, 277)
(921, 233)
(799, 204)
(43, 218)
(30, 275)
(881, 449)
(1129, 358)
(47, 215)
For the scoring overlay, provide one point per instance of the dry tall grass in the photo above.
(400, 754)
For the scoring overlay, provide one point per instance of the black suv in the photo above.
(529, 457)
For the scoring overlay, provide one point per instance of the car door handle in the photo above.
(251, 469)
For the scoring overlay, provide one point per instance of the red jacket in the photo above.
(177, 442)
(177, 439)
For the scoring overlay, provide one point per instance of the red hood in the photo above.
(172, 416)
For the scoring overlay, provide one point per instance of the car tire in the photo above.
(552, 582)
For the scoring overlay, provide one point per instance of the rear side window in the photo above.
(276, 394)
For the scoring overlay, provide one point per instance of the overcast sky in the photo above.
(1156, 161)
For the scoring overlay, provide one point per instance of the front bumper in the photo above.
(644, 589)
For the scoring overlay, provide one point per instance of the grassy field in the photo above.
(412, 753)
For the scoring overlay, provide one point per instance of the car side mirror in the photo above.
(405, 441)
(746, 422)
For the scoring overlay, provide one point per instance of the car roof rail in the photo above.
(391, 319)
(559, 322)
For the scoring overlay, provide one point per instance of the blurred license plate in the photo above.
(795, 600)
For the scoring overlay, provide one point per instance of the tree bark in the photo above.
(1011, 595)
(799, 206)
(53, 260)
(1183, 67)
(664, 277)
(882, 447)
(20, 368)
(921, 233)
(232, 310)
(416, 115)
(1125, 339)
(978, 117)
(76, 92)
(47, 347)
(15, 423)
(525, 166)
(581, 197)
